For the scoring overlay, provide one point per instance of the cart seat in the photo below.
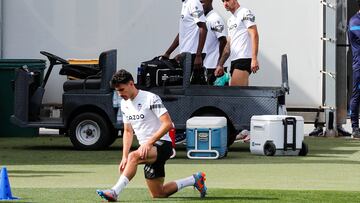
(107, 65)
(81, 84)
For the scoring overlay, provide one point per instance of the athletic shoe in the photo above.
(356, 133)
(318, 131)
(243, 136)
(200, 183)
(180, 138)
(246, 139)
(109, 195)
(343, 132)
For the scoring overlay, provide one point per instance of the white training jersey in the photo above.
(240, 42)
(216, 29)
(143, 114)
(191, 13)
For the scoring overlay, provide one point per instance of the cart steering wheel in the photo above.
(53, 58)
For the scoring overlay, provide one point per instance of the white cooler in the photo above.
(277, 135)
(206, 137)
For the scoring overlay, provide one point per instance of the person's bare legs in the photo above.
(134, 159)
(239, 78)
(157, 188)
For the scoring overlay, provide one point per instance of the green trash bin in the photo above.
(7, 77)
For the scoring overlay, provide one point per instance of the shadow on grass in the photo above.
(58, 150)
(85, 195)
(41, 173)
(65, 148)
(44, 172)
(212, 198)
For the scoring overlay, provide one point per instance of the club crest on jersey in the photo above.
(233, 26)
(139, 106)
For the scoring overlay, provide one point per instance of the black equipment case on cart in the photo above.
(158, 72)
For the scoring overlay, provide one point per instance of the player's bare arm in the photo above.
(172, 47)
(254, 35)
(127, 142)
(224, 56)
(202, 37)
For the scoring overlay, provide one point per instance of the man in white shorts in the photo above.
(144, 113)
(192, 33)
(215, 40)
(242, 44)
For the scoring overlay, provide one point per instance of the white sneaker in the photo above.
(243, 135)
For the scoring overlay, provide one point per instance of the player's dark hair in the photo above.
(358, 2)
(121, 77)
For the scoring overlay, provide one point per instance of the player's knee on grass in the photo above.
(159, 194)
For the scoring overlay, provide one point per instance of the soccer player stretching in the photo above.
(144, 113)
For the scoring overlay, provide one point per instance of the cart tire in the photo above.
(269, 149)
(304, 149)
(90, 131)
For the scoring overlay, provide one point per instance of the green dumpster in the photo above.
(7, 77)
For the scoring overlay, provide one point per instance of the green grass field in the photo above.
(48, 169)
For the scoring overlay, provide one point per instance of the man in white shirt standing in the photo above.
(144, 113)
(242, 45)
(192, 33)
(215, 40)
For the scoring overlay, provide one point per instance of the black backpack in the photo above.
(159, 71)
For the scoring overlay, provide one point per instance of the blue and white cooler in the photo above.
(206, 137)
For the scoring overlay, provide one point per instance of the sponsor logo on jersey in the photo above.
(135, 117)
(250, 17)
(218, 27)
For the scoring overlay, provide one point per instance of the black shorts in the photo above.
(156, 169)
(241, 64)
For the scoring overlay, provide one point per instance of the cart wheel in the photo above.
(304, 149)
(89, 131)
(269, 149)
